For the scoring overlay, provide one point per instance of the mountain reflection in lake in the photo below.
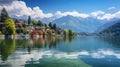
(81, 51)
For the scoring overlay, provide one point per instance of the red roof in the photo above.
(33, 32)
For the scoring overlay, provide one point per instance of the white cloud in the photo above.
(97, 55)
(101, 15)
(97, 13)
(71, 13)
(19, 8)
(73, 55)
(37, 55)
(110, 8)
(37, 12)
(109, 16)
(106, 16)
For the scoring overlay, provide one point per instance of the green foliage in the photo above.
(4, 15)
(65, 32)
(22, 30)
(111, 30)
(7, 47)
(55, 27)
(70, 33)
(40, 23)
(35, 22)
(29, 20)
(25, 31)
(9, 27)
(46, 26)
(0, 33)
(50, 25)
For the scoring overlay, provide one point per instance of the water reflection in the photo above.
(80, 51)
(115, 41)
(69, 39)
(48, 42)
(7, 47)
(21, 50)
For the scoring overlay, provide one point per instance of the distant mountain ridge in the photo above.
(77, 24)
(84, 25)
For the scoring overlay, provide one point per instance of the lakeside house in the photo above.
(32, 29)
(28, 27)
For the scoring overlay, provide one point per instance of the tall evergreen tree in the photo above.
(55, 27)
(50, 25)
(4, 15)
(70, 33)
(29, 20)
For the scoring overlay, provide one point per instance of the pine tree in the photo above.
(55, 27)
(70, 32)
(50, 25)
(4, 15)
(29, 20)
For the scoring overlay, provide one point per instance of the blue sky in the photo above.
(54, 9)
(84, 6)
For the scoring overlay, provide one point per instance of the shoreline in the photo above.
(27, 36)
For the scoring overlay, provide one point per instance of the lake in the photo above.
(80, 51)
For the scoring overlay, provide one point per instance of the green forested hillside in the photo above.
(113, 30)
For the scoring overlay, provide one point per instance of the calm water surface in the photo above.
(81, 51)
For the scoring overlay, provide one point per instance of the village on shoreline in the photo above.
(15, 28)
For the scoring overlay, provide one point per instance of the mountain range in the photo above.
(77, 24)
(82, 25)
